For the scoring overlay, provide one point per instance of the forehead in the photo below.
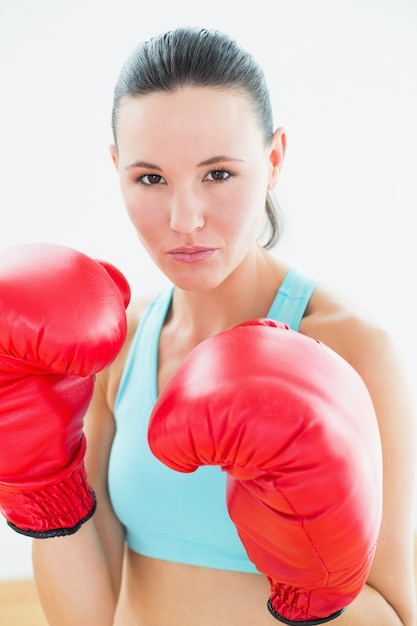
(187, 112)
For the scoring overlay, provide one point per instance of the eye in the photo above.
(151, 179)
(218, 175)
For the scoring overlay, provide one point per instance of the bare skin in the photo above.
(238, 282)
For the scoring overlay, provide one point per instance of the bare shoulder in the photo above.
(349, 330)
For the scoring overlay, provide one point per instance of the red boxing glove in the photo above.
(294, 427)
(62, 320)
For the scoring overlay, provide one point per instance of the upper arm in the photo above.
(373, 353)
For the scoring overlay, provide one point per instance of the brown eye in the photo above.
(151, 179)
(218, 175)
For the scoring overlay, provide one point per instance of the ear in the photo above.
(113, 154)
(276, 156)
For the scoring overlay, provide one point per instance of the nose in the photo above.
(186, 214)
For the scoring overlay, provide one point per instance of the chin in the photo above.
(200, 281)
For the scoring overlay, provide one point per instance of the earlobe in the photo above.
(277, 155)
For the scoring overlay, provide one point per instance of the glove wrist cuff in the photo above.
(313, 622)
(54, 511)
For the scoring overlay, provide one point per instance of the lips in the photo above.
(192, 254)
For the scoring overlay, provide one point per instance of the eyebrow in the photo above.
(144, 164)
(211, 161)
(218, 159)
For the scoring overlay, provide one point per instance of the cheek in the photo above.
(144, 217)
(146, 226)
(246, 211)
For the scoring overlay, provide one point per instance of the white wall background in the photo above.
(343, 77)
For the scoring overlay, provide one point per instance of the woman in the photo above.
(197, 160)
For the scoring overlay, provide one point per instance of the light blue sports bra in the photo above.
(170, 515)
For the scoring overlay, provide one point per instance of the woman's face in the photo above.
(194, 171)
